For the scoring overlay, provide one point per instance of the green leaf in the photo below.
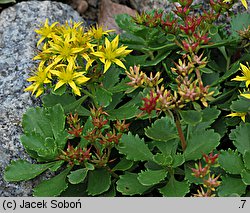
(35, 120)
(128, 184)
(7, 1)
(134, 148)
(23, 170)
(52, 187)
(111, 77)
(162, 130)
(77, 176)
(76, 106)
(57, 119)
(123, 165)
(51, 100)
(56, 165)
(240, 105)
(245, 175)
(89, 166)
(162, 159)
(209, 115)
(241, 137)
(110, 193)
(40, 148)
(231, 185)
(234, 69)
(47, 122)
(99, 181)
(191, 117)
(167, 148)
(151, 177)
(228, 158)
(201, 142)
(246, 159)
(239, 22)
(178, 160)
(103, 96)
(123, 113)
(175, 188)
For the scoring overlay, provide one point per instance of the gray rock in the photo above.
(17, 48)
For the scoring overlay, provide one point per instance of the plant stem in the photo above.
(180, 132)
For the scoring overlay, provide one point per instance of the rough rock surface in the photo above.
(17, 48)
(108, 11)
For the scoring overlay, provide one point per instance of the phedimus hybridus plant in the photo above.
(160, 110)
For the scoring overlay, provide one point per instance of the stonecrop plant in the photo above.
(160, 110)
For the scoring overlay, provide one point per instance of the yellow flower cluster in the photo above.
(246, 77)
(68, 52)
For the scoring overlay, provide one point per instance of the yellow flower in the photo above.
(245, 96)
(63, 50)
(46, 31)
(111, 53)
(246, 74)
(242, 115)
(71, 29)
(41, 77)
(244, 2)
(69, 76)
(97, 32)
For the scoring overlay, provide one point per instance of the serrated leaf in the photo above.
(241, 137)
(231, 185)
(47, 122)
(35, 120)
(162, 130)
(99, 181)
(231, 161)
(246, 159)
(39, 147)
(178, 160)
(209, 115)
(175, 188)
(134, 148)
(23, 170)
(240, 105)
(103, 96)
(245, 175)
(128, 184)
(162, 159)
(201, 142)
(151, 177)
(77, 176)
(167, 148)
(123, 165)
(191, 117)
(52, 187)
